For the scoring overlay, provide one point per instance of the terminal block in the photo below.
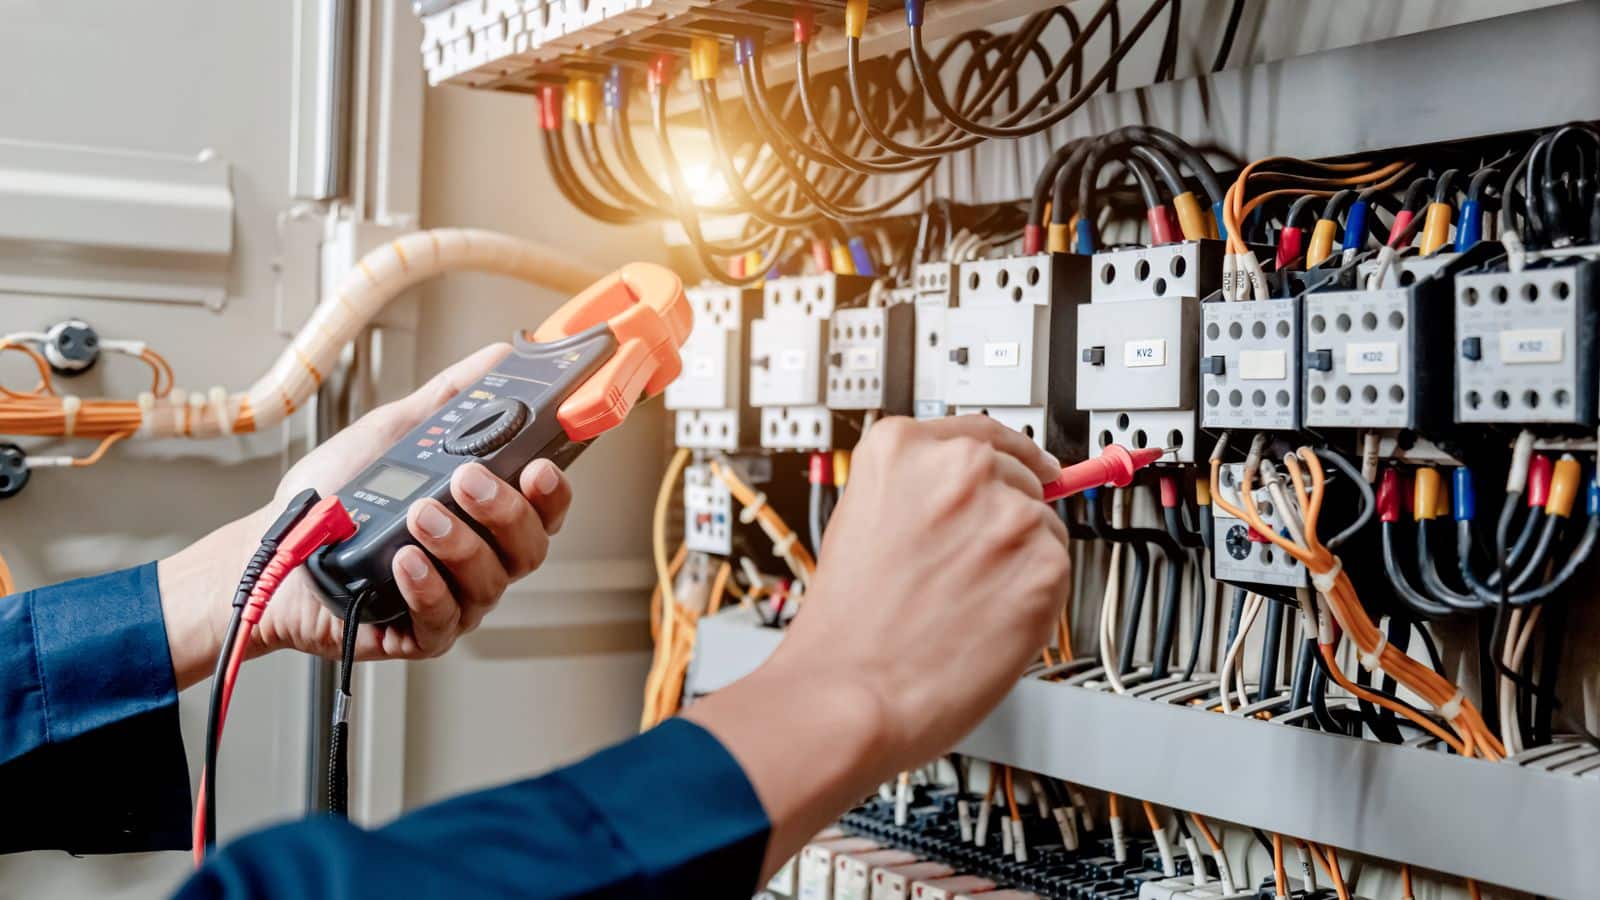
(1250, 365)
(869, 359)
(788, 347)
(1244, 559)
(1525, 345)
(1138, 341)
(999, 342)
(936, 287)
(707, 512)
(1382, 358)
(711, 398)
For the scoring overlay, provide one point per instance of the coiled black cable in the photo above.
(339, 742)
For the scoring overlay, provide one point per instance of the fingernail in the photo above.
(432, 520)
(415, 568)
(478, 483)
(548, 478)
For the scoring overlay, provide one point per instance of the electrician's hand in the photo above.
(197, 583)
(940, 577)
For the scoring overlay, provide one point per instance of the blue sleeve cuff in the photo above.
(681, 807)
(88, 697)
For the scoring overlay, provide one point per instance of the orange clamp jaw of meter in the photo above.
(644, 307)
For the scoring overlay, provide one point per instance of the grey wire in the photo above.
(1369, 503)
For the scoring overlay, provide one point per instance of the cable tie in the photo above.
(784, 545)
(1323, 581)
(753, 508)
(70, 404)
(341, 708)
(147, 406)
(1369, 659)
(1452, 708)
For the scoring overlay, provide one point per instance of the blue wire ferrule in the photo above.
(1463, 503)
(614, 87)
(1091, 493)
(1086, 236)
(861, 256)
(744, 50)
(1469, 230)
(1355, 226)
(914, 13)
(1592, 504)
(1222, 225)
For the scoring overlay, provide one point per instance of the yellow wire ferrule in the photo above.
(842, 263)
(1563, 487)
(841, 467)
(1202, 492)
(585, 98)
(1425, 497)
(1321, 246)
(1059, 239)
(1191, 218)
(855, 18)
(703, 58)
(1436, 227)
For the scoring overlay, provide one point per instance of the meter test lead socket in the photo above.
(574, 378)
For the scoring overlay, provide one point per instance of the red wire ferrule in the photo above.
(805, 23)
(660, 72)
(1389, 496)
(820, 471)
(1160, 225)
(1032, 239)
(550, 107)
(1402, 221)
(1540, 471)
(1291, 244)
(1169, 492)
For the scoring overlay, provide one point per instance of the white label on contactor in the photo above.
(1372, 359)
(1002, 355)
(792, 360)
(1263, 365)
(1144, 354)
(1531, 345)
(861, 359)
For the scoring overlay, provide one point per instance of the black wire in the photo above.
(1369, 504)
(1420, 606)
(339, 745)
(1271, 650)
(1229, 33)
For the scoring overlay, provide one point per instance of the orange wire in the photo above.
(1405, 882)
(1011, 797)
(1151, 817)
(1280, 878)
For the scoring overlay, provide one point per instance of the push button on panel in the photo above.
(488, 428)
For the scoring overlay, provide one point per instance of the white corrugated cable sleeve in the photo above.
(1251, 268)
(1307, 870)
(1230, 277)
(1169, 865)
(1196, 861)
(1369, 457)
(376, 279)
(1119, 843)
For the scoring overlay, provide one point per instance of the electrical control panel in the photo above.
(1138, 343)
(1250, 365)
(1240, 558)
(788, 362)
(707, 512)
(710, 397)
(1525, 345)
(999, 341)
(869, 359)
(936, 288)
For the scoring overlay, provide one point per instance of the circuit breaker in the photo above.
(710, 397)
(937, 288)
(998, 346)
(869, 359)
(788, 362)
(707, 512)
(1138, 341)
(1381, 358)
(1250, 365)
(1240, 558)
(1525, 346)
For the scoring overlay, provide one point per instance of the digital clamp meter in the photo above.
(574, 378)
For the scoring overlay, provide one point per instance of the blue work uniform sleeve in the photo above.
(90, 750)
(666, 814)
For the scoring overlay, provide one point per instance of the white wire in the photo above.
(1253, 604)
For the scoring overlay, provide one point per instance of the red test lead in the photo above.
(1114, 466)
